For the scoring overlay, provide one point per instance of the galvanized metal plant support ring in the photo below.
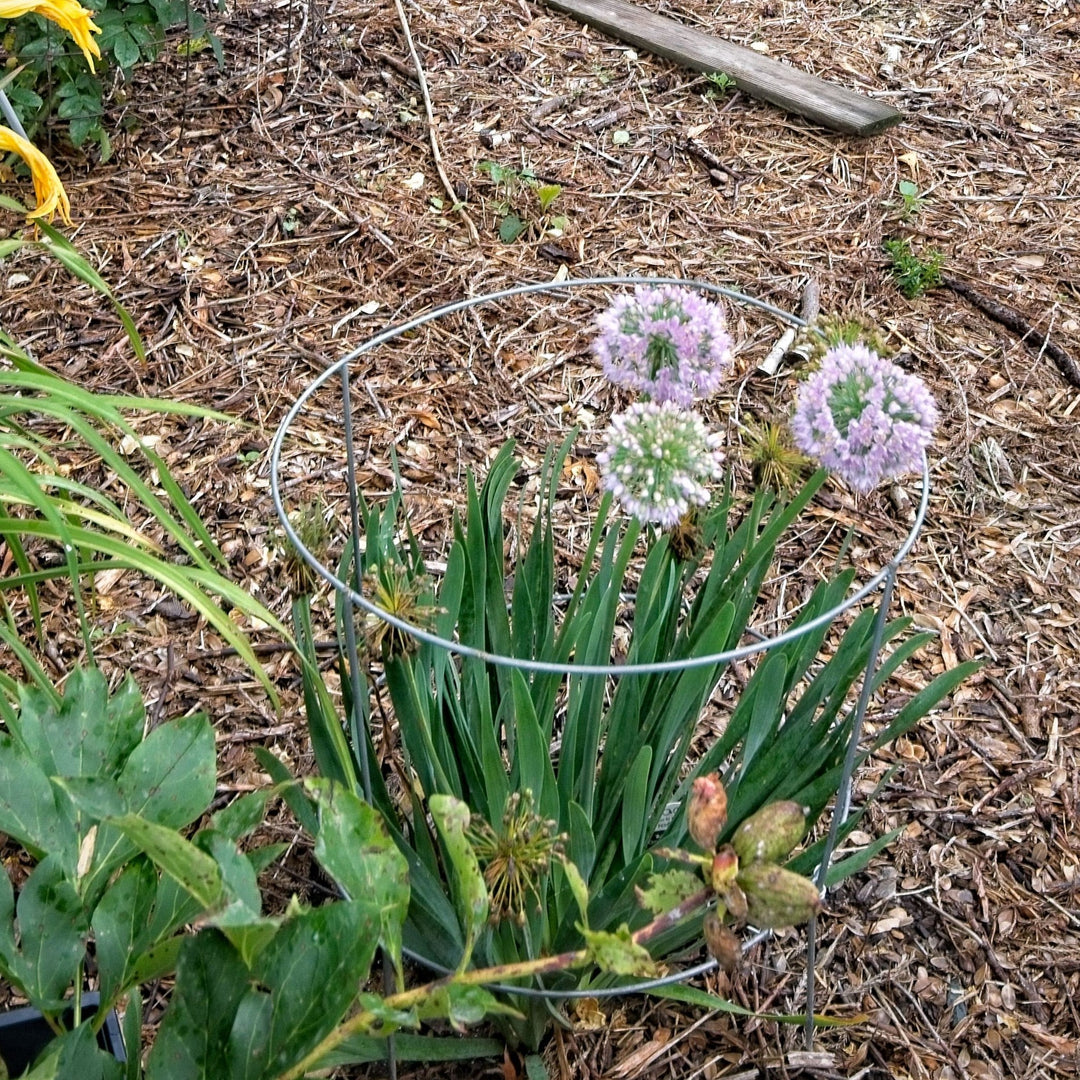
(882, 582)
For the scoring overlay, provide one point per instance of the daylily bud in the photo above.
(723, 944)
(777, 897)
(771, 833)
(706, 812)
(725, 866)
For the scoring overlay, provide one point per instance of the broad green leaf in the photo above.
(118, 923)
(242, 816)
(91, 734)
(192, 1041)
(452, 818)
(462, 1005)
(53, 932)
(196, 871)
(354, 847)
(239, 915)
(170, 778)
(617, 952)
(75, 1055)
(313, 970)
(510, 228)
(28, 806)
(93, 796)
(669, 889)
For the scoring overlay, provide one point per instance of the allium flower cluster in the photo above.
(666, 342)
(863, 417)
(657, 461)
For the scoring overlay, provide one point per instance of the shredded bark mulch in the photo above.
(262, 220)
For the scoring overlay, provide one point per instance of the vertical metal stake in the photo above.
(354, 656)
(10, 119)
(843, 794)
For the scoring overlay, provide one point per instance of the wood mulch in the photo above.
(262, 220)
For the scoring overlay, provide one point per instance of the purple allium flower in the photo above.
(863, 417)
(665, 341)
(657, 460)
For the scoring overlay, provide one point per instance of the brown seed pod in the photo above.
(722, 943)
(706, 811)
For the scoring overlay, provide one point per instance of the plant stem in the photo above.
(361, 1022)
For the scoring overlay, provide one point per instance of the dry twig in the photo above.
(435, 152)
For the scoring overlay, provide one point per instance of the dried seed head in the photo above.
(722, 943)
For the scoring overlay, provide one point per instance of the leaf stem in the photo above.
(363, 1020)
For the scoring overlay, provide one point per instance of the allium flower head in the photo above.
(863, 417)
(657, 460)
(667, 342)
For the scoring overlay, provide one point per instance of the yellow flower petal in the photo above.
(69, 14)
(50, 193)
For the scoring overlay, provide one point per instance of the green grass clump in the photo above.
(914, 274)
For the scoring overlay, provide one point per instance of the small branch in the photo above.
(364, 1020)
(435, 153)
(1011, 319)
(673, 916)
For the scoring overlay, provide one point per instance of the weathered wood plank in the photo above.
(759, 76)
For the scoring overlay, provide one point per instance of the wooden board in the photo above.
(759, 76)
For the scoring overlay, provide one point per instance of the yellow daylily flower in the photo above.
(69, 14)
(50, 193)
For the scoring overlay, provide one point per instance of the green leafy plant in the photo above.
(914, 274)
(100, 808)
(913, 202)
(71, 770)
(574, 773)
(51, 77)
(720, 85)
(485, 734)
(515, 220)
(60, 526)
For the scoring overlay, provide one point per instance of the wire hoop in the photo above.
(883, 580)
(764, 643)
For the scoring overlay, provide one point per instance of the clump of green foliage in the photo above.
(50, 74)
(510, 184)
(914, 274)
(913, 202)
(721, 82)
